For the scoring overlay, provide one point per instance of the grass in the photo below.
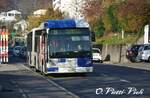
(116, 40)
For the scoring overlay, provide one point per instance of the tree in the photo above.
(102, 14)
(100, 28)
(52, 14)
(133, 14)
(112, 17)
(117, 15)
(93, 12)
(35, 21)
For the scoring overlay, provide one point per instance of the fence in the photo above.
(3, 45)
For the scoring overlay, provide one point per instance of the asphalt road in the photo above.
(107, 81)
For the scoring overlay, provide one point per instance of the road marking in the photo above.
(123, 80)
(52, 82)
(118, 81)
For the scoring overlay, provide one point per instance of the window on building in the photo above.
(10, 14)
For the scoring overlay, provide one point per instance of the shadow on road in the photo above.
(15, 60)
(66, 75)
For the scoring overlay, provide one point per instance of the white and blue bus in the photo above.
(60, 46)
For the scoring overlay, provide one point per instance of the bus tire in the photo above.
(37, 70)
(149, 59)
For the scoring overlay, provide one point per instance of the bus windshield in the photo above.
(69, 43)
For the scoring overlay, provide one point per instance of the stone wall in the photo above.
(114, 53)
(117, 53)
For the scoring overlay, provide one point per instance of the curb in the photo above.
(52, 82)
(132, 65)
(138, 65)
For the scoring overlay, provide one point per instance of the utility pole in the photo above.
(122, 33)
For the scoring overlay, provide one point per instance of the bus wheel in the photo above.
(149, 59)
(37, 70)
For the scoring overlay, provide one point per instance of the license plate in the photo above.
(62, 60)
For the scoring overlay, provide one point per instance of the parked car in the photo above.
(23, 52)
(97, 57)
(16, 50)
(132, 52)
(144, 53)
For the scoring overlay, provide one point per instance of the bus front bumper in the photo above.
(69, 70)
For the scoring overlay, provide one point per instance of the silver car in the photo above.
(144, 53)
(23, 52)
(16, 50)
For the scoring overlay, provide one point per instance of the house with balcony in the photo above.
(10, 16)
(39, 12)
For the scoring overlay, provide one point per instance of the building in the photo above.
(9, 16)
(71, 8)
(39, 12)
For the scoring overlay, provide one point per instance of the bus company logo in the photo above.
(125, 91)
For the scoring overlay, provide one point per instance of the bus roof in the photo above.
(60, 24)
(64, 23)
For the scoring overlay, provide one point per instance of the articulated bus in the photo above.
(60, 46)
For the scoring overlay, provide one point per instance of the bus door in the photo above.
(42, 50)
(38, 52)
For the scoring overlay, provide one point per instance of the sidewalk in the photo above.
(140, 65)
(17, 81)
(7, 88)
